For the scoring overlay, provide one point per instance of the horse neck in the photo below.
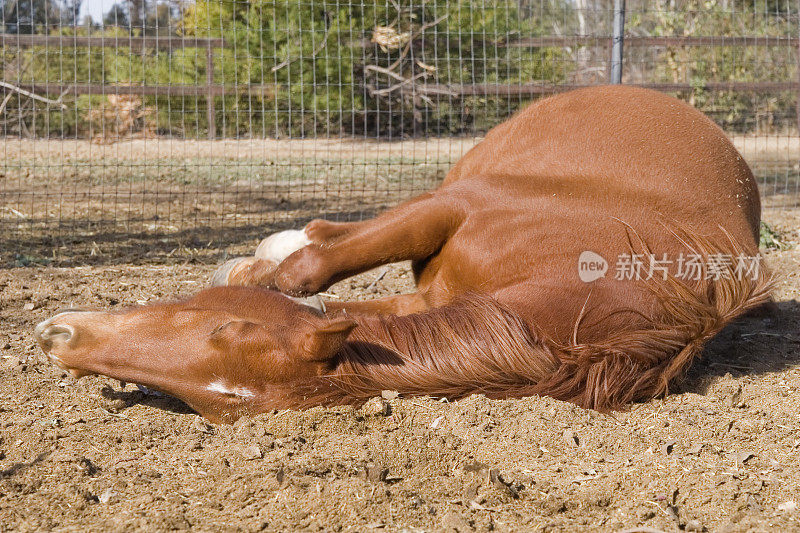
(449, 351)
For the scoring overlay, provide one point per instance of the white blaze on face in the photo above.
(281, 245)
(220, 387)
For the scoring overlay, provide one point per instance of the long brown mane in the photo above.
(477, 345)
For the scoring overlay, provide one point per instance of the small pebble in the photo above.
(389, 395)
(694, 525)
(202, 426)
(105, 497)
(375, 472)
(789, 506)
(571, 438)
(251, 452)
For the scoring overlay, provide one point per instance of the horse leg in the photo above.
(302, 262)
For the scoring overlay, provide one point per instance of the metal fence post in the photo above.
(210, 111)
(616, 46)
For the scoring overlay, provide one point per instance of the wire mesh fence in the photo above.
(151, 131)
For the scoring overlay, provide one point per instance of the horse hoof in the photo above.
(281, 245)
(222, 276)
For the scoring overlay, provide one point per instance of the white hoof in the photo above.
(221, 276)
(281, 245)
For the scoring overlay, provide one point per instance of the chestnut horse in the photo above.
(521, 259)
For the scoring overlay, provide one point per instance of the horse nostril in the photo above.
(49, 334)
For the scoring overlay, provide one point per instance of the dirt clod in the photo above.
(376, 407)
(389, 395)
(453, 522)
(251, 452)
(375, 472)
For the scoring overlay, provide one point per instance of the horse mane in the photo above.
(477, 345)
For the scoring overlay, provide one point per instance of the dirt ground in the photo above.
(719, 454)
(752, 147)
(71, 202)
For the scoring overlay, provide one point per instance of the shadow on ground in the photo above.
(108, 244)
(753, 345)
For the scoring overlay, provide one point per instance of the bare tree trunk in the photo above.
(137, 14)
(73, 9)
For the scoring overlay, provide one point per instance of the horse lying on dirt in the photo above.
(513, 258)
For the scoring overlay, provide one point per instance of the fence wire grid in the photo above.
(155, 131)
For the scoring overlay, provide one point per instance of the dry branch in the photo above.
(35, 96)
(386, 71)
(5, 102)
(403, 83)
(406, 85)
(414, 35)
(314, 53)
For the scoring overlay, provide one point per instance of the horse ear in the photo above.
(322, 343)
(238, 335)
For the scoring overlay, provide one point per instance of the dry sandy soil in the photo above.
(71, 202)
(719, 454)
(752, 147)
